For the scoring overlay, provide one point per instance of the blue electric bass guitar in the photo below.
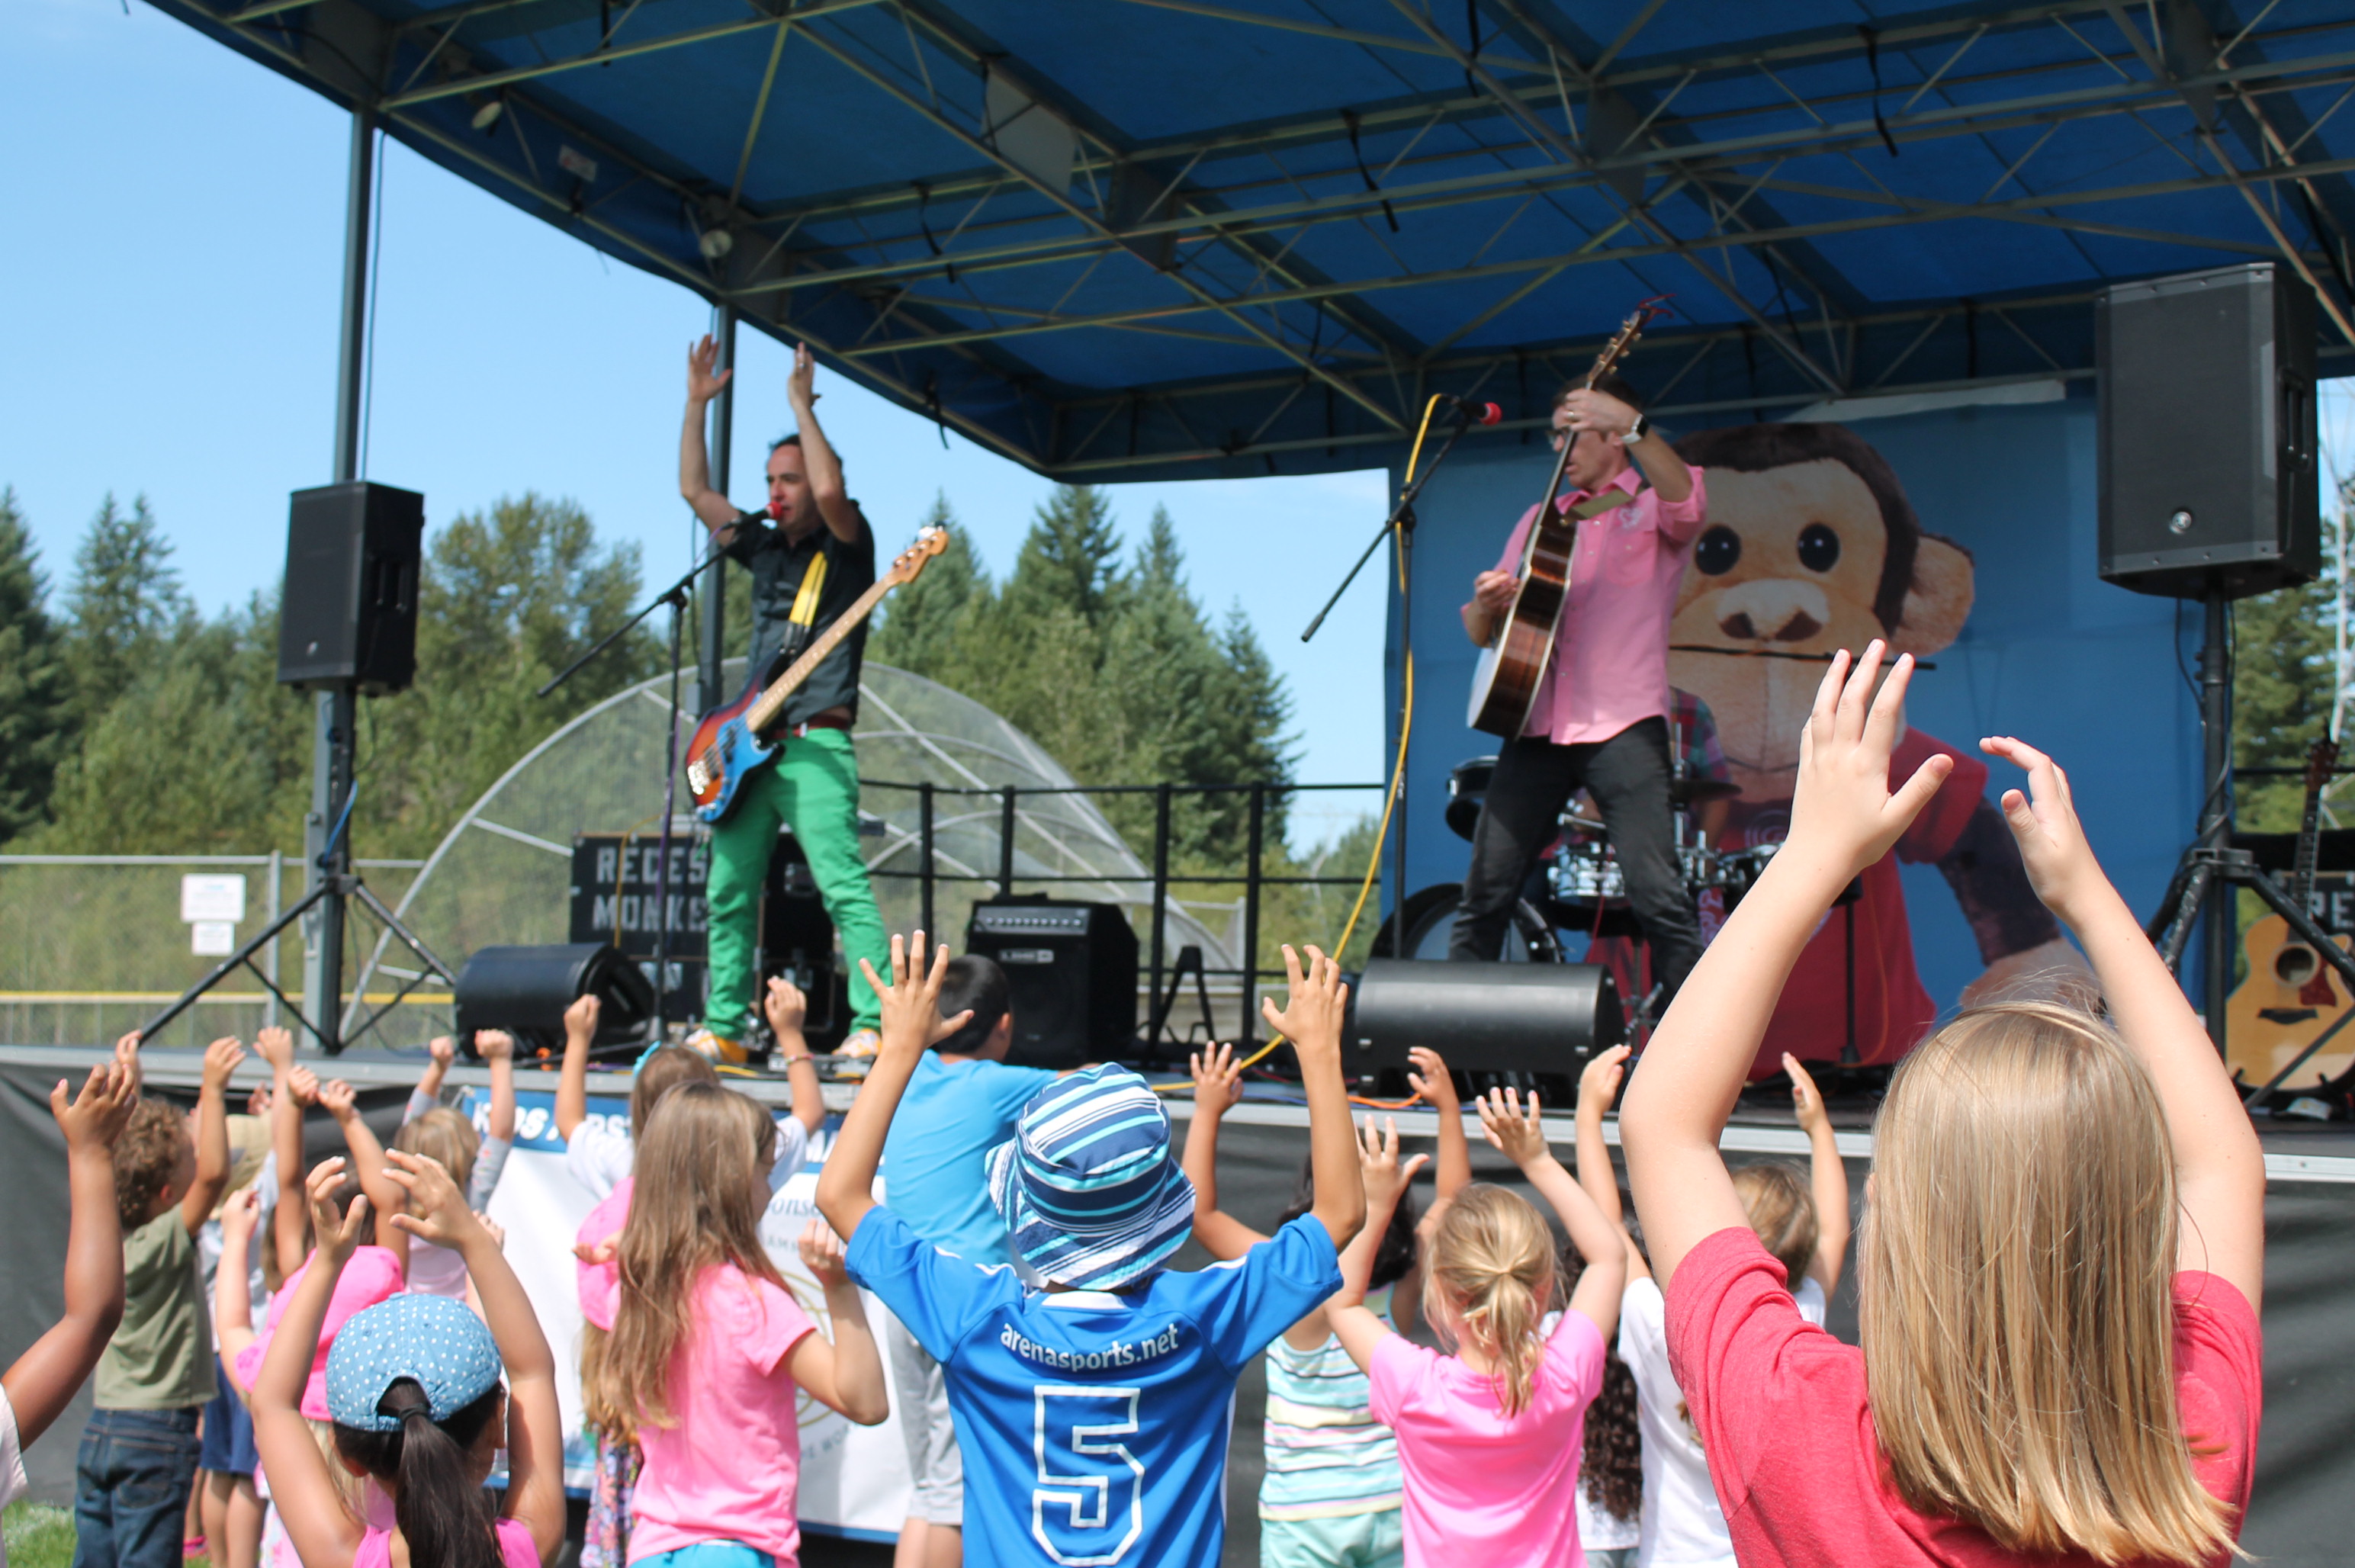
(727, 744)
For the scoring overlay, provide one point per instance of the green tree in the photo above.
(925, 625)
(35, 684)
(125, 605)
(2281, 696)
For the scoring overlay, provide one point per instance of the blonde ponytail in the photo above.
(1490, 1280)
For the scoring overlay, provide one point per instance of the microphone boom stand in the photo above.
(1400, 523)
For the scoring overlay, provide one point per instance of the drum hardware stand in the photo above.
(2211, 868)
(675, 596)
(1399, 525)
(1189, 962)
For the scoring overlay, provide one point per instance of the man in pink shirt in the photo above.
(1600, 718)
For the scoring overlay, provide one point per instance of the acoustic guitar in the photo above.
(2290, 994)
(728, 744)
(1514, 661)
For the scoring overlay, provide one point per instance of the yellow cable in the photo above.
(1390, 797)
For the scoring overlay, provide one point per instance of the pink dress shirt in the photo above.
(1610, 666)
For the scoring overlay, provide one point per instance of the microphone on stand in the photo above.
(1475, 414)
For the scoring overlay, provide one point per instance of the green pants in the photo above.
(812, 787)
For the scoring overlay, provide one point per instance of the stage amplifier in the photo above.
(525, 990)
(2207, 447)
(1518, 1026)
(1071, 971)
(347, 614)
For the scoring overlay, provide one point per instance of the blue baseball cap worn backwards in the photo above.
(1089, 1186)
(445, 1349)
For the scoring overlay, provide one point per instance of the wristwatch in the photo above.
(1636, 432)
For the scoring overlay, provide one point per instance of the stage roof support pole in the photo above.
(326, 836)
(713, 657)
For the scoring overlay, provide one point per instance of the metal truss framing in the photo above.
(1290, 259)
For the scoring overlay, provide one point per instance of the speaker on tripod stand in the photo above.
(2209, 491)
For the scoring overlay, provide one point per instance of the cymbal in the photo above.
(1696, 792)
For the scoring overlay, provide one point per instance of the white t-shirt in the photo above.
(1598, 1528)
(13, 1483)
(599, 1154)
(1682, 1524)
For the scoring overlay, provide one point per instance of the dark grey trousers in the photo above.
(1628, 777)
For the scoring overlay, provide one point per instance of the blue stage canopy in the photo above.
(1129, 239)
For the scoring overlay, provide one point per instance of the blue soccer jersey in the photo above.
(1094, 1425)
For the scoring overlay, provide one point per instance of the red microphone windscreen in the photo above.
(1491, 415)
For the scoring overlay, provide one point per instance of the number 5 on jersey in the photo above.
(1079, 1501)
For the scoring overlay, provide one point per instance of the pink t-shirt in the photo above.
(1610, 666)
(516, 1548)
(1780, 1407)
(1482, 1486)
(599, 1285)
(728, 1466)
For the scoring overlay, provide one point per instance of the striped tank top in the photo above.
(1327, 1457)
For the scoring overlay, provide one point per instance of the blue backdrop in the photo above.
(2050, 653)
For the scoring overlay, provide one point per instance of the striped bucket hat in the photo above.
(1088, 1186)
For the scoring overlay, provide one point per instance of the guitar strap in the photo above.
(805, 612)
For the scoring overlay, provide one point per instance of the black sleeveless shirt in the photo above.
(779, 567)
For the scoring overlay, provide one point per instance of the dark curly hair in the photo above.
(145, 1156)
(1611, 1471)
(1395, 1259)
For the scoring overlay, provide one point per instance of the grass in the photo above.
(38, 1536)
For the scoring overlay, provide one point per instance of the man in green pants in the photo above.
(811, 555)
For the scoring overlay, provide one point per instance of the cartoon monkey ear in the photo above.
(1939, 600)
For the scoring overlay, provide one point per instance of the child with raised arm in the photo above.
(2062, 1261)
(1093, 1415)
(39, 1385)
(1489, 1438)
(1330, 1493)
(1803, 1224)
(137, 1463)
(413, 1387)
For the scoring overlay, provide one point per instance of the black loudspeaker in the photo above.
(349, 613)
(2207, 468)
(525, 990)
(1518, 1026)
(1072, 972)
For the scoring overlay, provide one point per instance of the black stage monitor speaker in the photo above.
(1520, 1026)
(525, 990)
(349, 613)
(2207, 467)
(1072, 972)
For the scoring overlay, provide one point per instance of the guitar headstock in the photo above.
(1623, 339)
(929, 541)
(2321, 760)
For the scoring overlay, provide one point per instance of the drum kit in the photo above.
(1579, 884)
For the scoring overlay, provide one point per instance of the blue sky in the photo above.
(175, 214)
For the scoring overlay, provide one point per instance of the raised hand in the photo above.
(1807, 1100)
(1844, 816)
(1218, 1079)
(703, 382)
(581, 1020)
(436, 1210)
(2043, 821)
(493, 1045)
(338, 1234)
(823, 1257)
(339, 1100)
(912, 997)
(784, 1005)
(126, 1056)
(1511, 1127)
(93, 1119)
(302, 1087)
(242, 1214)
(801, 386)
(276, 1047)
(1598, 1086)
(1314, 1006)
(442, 1050)
(221, 1058)
(1377, 1163)
(1428, 1076)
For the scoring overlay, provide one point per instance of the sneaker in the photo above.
(862, 1045)
(719, 1048)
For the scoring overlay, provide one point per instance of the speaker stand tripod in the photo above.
(2210, 870)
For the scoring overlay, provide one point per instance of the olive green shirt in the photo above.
(161, 1357)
